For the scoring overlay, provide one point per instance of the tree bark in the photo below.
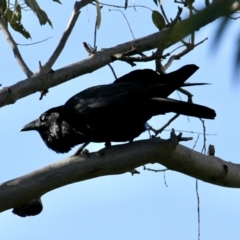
(119, 159)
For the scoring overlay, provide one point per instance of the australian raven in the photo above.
(116, 112)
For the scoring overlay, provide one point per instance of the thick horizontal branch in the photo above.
(117, 160)
(163, 39)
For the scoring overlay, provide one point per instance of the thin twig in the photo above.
(164, 177)
(131, 60)
(195, 142)
(198, 209)
(207, 134)
(204, 137)
(189, 48)
(118, 6)
(187, 93)
(158, 170)
(126, 4)
(114, 74)
(164, 126)
(125, 19)
(177, 48)
(164, 14)
(177, 18)
(155, 170)
(29, 44)
(15, 49)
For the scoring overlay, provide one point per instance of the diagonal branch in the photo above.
(77, 6)
(15, 49)
(119, 159)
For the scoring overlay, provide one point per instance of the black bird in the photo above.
(116, 112)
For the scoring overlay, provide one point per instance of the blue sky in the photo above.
(121, 207)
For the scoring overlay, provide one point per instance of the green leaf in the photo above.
(42, 16)
(57, 1)
(18, 27)
(98, 14)
(158, 20)
(158, 1)
(18, 13)
(14, 16)
(3, 6)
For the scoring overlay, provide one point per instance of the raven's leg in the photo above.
(107, 144)
(80, 150)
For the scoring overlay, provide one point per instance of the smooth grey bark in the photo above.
(119, 159)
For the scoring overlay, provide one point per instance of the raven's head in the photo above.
(55, 132)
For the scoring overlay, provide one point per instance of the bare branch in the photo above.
(119, 159)
(77, 6)
(189, 48)
(15, 49)
(187, 93)
(114, 74)
(164, 126)
(177, 18)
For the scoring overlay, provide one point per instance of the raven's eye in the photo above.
(42, 118)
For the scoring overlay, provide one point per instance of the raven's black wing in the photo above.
(148, 76)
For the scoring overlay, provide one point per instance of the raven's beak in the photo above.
(30, 126)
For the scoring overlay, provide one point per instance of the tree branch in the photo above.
(15, 49)
(165, 38)
(77, 6)
(119, 159)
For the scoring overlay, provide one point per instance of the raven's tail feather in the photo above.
(165, 105)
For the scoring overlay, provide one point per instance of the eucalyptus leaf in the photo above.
(42, 16)
(98, 14)
(158, 20)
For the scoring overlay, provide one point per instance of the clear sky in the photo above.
(121, 207)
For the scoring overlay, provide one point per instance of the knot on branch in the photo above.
(31, 208)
